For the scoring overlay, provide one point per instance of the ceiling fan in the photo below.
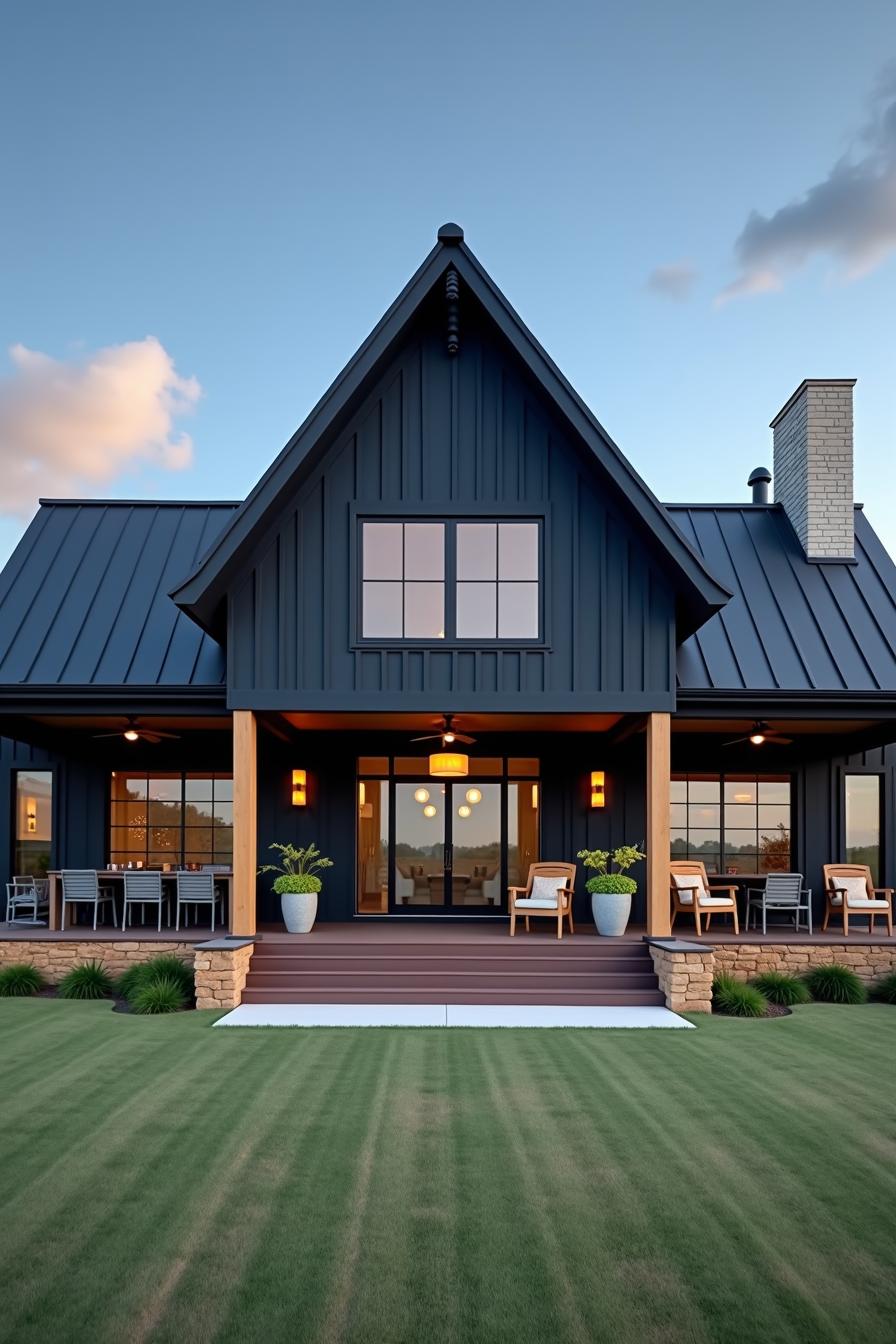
(760, 733)
(132, 732)
(447, 733)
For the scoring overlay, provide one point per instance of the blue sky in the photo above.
(251, 185)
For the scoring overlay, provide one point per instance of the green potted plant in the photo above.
(298, 884)
(611, 893)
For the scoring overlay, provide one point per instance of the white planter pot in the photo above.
(299, 910)
(611, 910)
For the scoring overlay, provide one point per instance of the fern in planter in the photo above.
(611, 893)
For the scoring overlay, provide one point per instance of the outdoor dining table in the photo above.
(114, 877)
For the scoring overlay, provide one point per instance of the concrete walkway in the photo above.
(443, 1015)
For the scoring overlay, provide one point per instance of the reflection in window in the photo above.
(373, 847)
(732, 824)
(403, 581)
(34, 823)
(170, 820)
(863, 812)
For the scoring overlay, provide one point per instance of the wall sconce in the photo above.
(299, 788)
(31, 815)
(598, 788)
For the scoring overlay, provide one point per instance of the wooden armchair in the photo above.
(548, 891)
(692, 894)
(849, 889)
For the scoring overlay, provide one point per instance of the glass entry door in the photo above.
(449, 846)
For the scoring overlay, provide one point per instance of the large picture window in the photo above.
(170, 820)
(732, 823)
(863, 818)
(457, 580)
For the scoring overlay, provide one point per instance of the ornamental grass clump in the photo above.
(835, 984)
(90, 980)
(20, 980)
(146, 974)
(885, 990)
(737, 999)
(161, 995)
(780, 988)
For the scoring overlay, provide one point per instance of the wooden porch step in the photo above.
(335, 963)
(453, 979)
(590, 999)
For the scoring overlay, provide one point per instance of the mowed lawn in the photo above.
(160, 1180)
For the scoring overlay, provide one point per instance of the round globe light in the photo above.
(464, 811)
(429, 810)
(474, 795)
(422, 795)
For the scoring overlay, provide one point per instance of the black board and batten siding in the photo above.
(453, 437)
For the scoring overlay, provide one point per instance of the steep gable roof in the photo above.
(699, 593)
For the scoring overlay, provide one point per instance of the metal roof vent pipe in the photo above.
(759, 481)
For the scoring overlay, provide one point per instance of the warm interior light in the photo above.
(598, 788)
(362, 793)
(535, 796)
(464, 811)
(743, 797)
(447, 737)
(757, 739)
(131, 735)
(474, 795)
(421, 796)
(299, 788)
(429, 810)
(449, 764)
(31, 814)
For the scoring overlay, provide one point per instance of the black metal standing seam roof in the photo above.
(84, 597)
(791, 625)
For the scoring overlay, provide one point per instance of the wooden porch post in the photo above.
(659, 765)
(245, 816)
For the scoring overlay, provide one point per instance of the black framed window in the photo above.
(33, 831)
(463, 580)
(732, 823)
(863, 813)
(170, 819)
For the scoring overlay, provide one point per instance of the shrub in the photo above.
(835, 984)
(90, 980)
(780, 988)
(160, 995)
(612, 883)
(163, 967)
(885, 990)
(297, 882)
(19, 980)
(736, 998)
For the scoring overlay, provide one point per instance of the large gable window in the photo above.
(733, 823)
(460, 580)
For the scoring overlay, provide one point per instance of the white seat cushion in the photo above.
(706, 901)
(683, 881)
(855, 888)
(868, 905)
(529, 903)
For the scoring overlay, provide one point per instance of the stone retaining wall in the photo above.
(870, 961)
(221, 973)
(56, 959)
(685, 975)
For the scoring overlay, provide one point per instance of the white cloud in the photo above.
(674, 281)
(69, 427)
(851, 215)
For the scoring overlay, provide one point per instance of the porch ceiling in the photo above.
(787, 727)
(465, 723)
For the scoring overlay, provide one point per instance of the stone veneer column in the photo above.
(221, 967)
(684, 971)
(813, 471)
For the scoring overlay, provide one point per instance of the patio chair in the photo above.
(30, 894)
(849, 889)
(80, 886)
(548, 891)
(782, 892)
(144, 888)
(196, 889)
(692, 894)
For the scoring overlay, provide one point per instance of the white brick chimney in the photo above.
(813, 466)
